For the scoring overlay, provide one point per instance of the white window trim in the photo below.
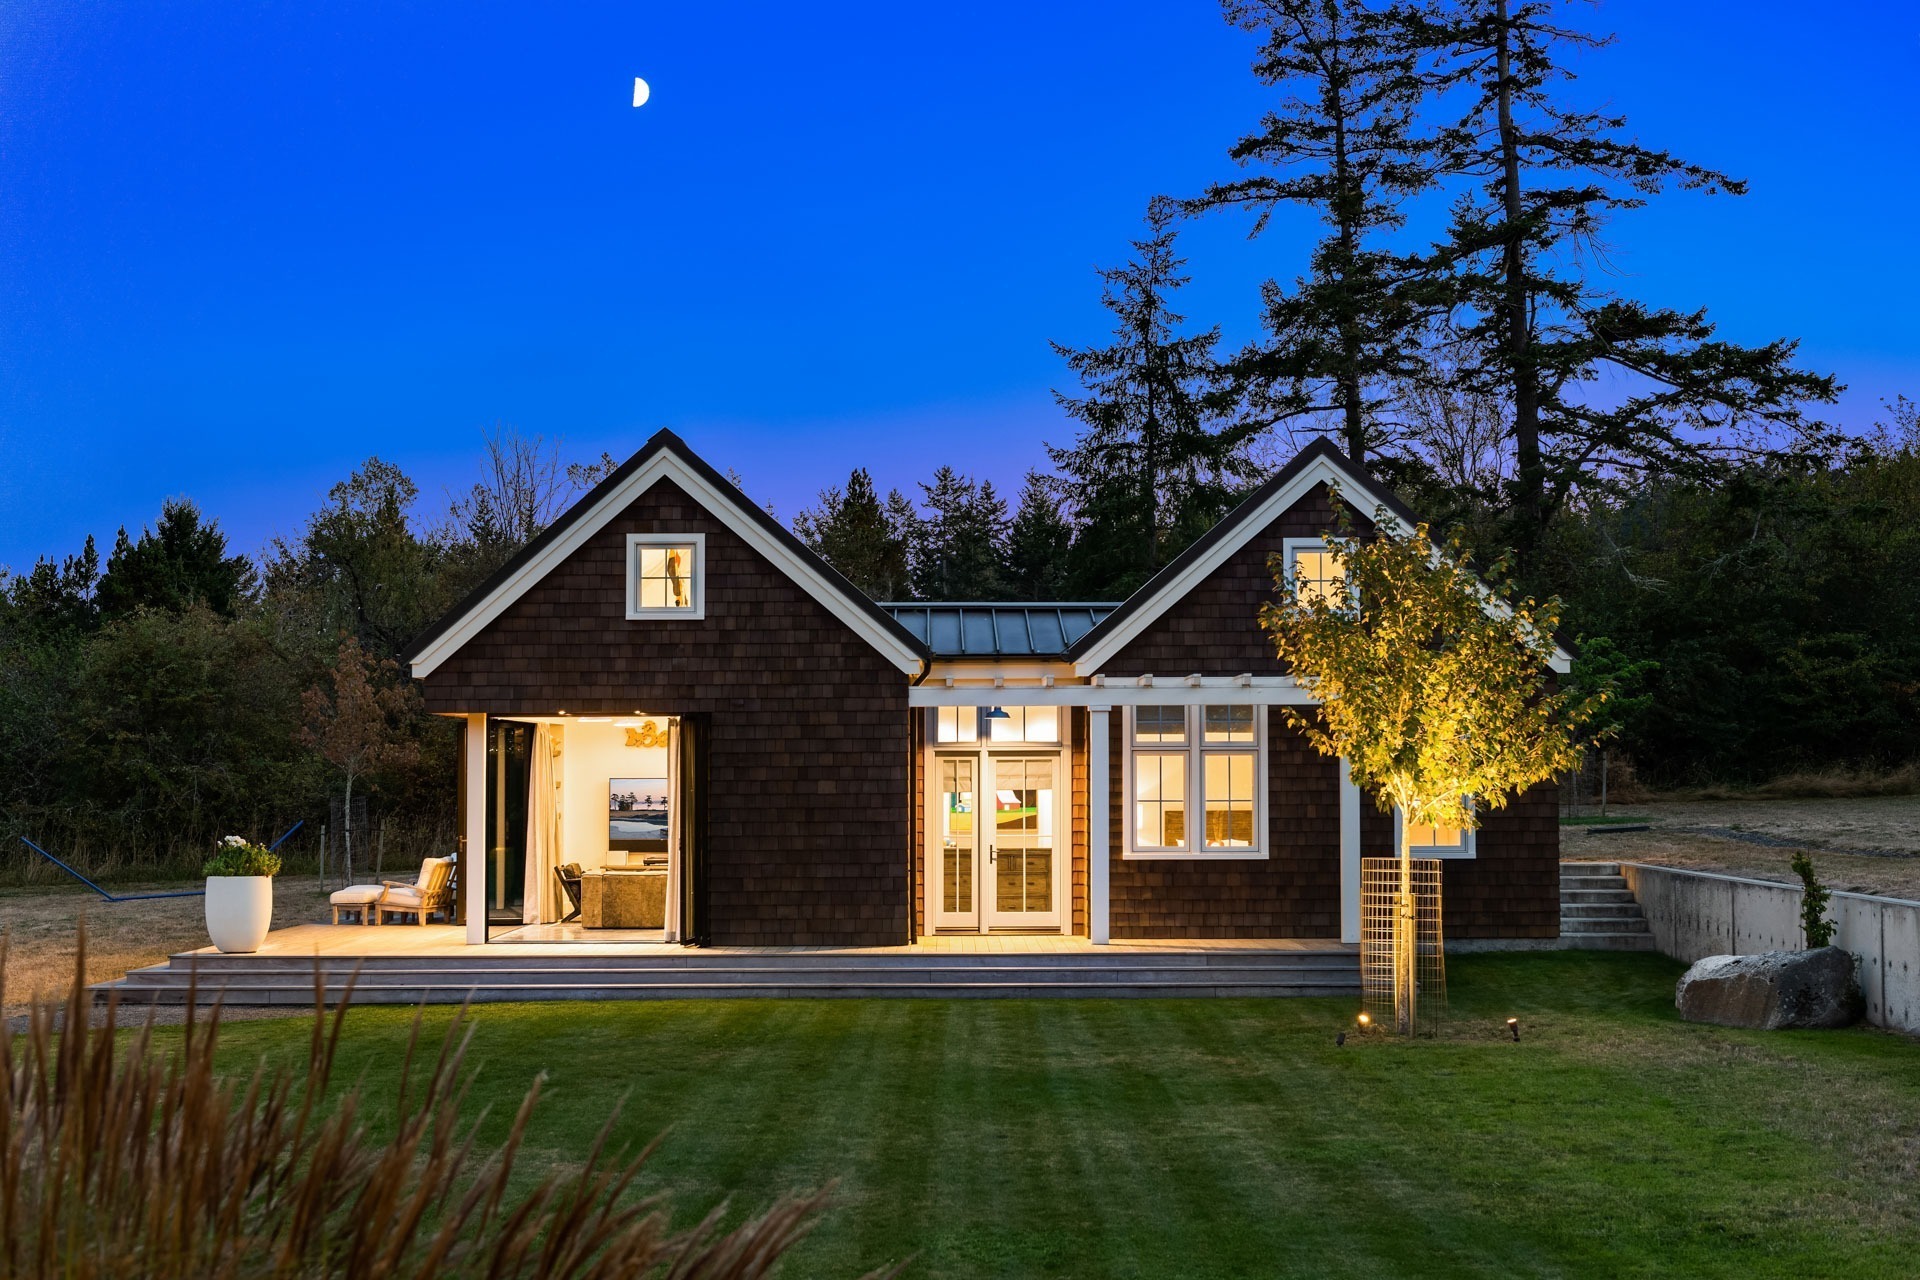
(1290, 548)
(1468, 848)
(698, 573)
(1196, 751)
(983, 728)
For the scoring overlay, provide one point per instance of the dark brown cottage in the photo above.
(682, 724)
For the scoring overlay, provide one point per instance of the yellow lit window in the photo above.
(1160, 800)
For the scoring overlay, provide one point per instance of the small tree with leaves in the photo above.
(1434, 689)
(359, 720)
(1814, 897)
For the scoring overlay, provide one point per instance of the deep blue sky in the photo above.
(245, 246)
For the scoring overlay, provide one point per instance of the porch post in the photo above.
(1349, 855)
(473, 872)
(1099, 823)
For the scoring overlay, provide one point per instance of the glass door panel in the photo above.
(1022, 846)
(958, 842)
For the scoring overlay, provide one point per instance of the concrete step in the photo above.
(1570, 926)
(1608, 941)
(1589, 868)
(1585, 897)
(1599, 910)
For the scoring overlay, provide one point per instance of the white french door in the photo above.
(997, 848)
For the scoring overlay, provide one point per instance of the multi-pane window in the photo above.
(1183, 757)
(1426, 840)
(1023, 724)
(1002, 724)
(956, 724)
(663, 576)
(1315, 574)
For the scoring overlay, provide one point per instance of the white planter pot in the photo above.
(239, 911)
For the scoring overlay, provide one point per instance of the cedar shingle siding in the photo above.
(808, 734)
(1510, 890)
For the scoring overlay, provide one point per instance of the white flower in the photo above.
(234, 841)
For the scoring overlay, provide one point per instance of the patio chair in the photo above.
(568, 877)
(430, 893)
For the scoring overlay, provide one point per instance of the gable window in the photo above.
(1314, 572)
(1184, 761)
(666, 575)
(1427, 841)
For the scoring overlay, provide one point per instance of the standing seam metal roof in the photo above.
(997, 629)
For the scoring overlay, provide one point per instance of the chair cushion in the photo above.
(355, 895)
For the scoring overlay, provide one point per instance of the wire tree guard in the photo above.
(1425, 955)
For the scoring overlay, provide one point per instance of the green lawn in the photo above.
(1232, 1137)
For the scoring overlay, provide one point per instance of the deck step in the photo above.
(691, 974)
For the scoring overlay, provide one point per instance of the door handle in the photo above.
(990, 852)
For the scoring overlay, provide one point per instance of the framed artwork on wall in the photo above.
(637, 815)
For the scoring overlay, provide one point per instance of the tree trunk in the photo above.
(346, 827)
(1346, 209)
(1530, 494)
(1405, 998)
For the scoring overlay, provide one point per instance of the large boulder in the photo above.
(1773, 991)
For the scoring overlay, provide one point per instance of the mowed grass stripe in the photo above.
(1137, 1138)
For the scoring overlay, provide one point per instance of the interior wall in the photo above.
(593, 754)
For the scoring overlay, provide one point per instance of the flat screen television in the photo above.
(637, 814)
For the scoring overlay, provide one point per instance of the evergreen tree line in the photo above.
(180, 692)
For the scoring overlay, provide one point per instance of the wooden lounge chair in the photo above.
(430, 893)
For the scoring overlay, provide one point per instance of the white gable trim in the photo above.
(1322, 470)
(666, 466)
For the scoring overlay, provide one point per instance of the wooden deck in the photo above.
(407, 964)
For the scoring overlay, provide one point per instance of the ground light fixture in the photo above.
(1513, 1025)
(1365, 1020)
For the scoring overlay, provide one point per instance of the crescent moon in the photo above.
(641, 92)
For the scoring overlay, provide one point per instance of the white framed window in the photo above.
(1314, 573)
(666, 576)
(1196, 781)
(1038, 725)
(1428, 841)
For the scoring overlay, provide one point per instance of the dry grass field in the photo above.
(1757, 838)
(42, 926)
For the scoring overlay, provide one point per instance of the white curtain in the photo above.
(542, 904)
(673, 830)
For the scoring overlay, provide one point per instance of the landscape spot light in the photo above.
(1365, 1020)
(1513, 1025)
(1339, 1039)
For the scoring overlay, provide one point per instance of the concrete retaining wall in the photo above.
(1694, 914)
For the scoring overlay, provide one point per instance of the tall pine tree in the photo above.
(1520, 257)
(960, 548)
(1159, 457)
(851, 531)
(1343, 142)
(1038, 543)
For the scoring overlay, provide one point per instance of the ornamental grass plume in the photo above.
(122, 1157)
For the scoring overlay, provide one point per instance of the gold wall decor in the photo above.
(647, 735)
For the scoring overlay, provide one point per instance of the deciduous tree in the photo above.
(1434, 689)
(359, 720)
